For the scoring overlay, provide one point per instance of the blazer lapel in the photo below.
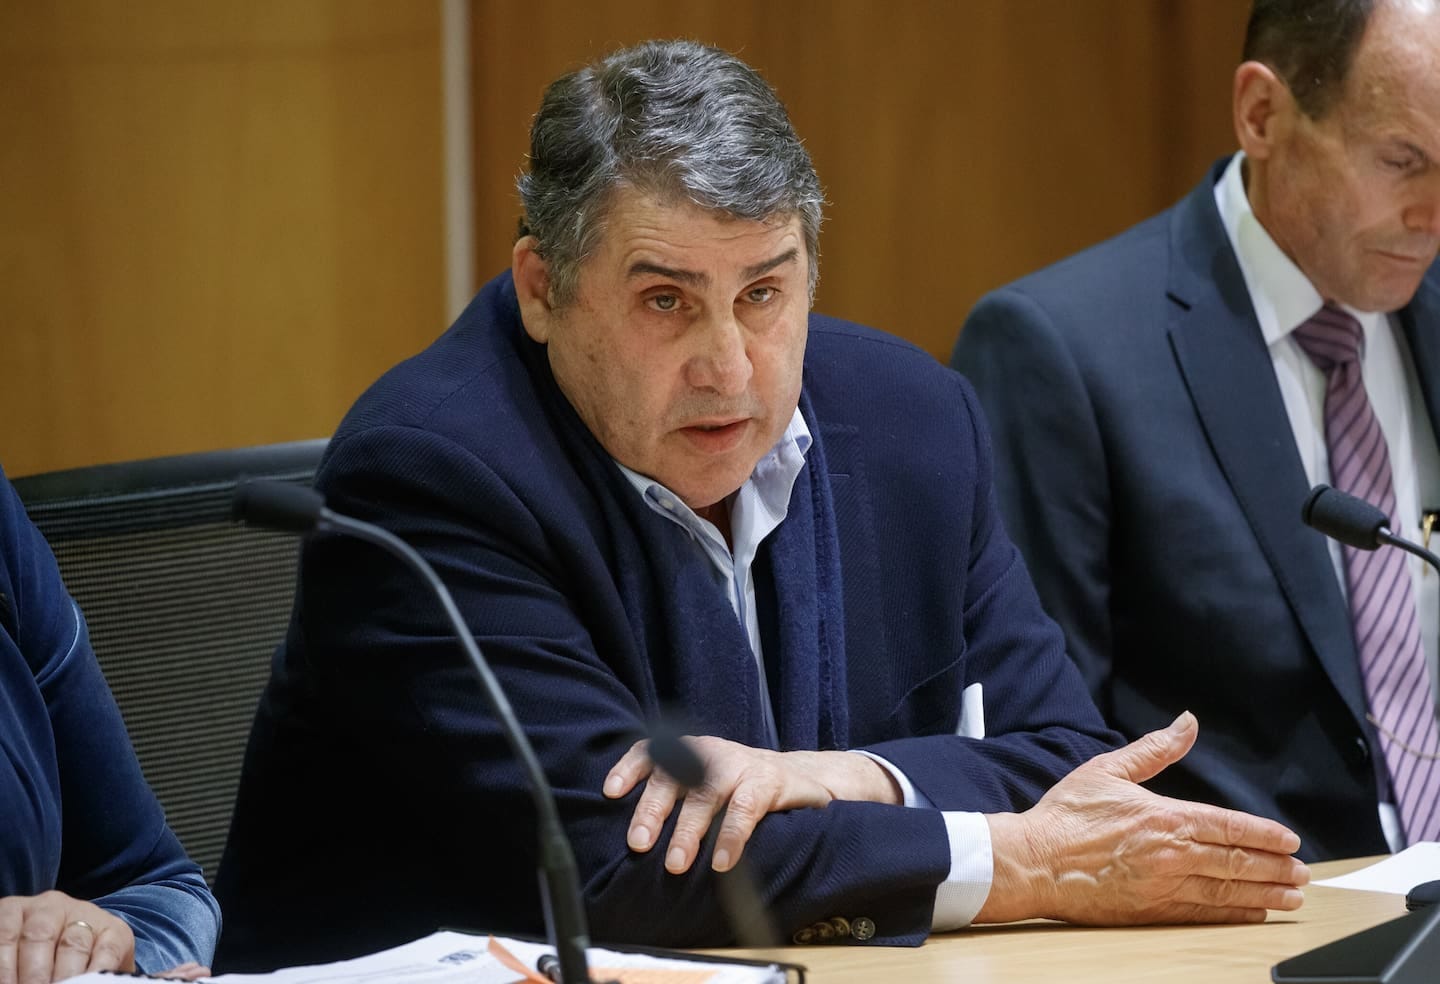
(1420, 320)
(1227, 368)
(804, 554)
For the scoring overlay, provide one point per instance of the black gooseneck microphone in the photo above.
(1356, 523)
(738, 895)
(1404, 950)
(293, 509)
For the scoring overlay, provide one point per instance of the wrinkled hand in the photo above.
(1100, 850)
(746, 783)
(52, 936)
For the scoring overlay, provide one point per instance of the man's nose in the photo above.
(721, 362)
(1423, 215)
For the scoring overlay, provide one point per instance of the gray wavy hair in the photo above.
(674, 119)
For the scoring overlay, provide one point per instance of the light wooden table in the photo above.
(1045, 951)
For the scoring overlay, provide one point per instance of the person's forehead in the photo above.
(1396, 70)
(639, 225)
(633, 212)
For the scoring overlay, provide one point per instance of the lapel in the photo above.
(1227, 369)
(1420, 320)
(804, 555)
(705, 651)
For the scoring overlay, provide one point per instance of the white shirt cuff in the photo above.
(962, 894)
(960, 897)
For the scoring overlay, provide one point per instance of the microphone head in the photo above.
(673, 753)
(277, 506)
(1341, 516)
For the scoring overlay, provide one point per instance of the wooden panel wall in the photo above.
(219, 220)
(961, 144)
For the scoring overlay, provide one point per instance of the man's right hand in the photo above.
(744, 783)
(1098, 849)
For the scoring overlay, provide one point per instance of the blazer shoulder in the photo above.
(842, 356)
(876, 384)
(477, 385)
(1139, 256)
(840, 348)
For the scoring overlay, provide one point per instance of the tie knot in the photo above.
(1331, 338)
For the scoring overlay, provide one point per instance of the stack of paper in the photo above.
(461, 958)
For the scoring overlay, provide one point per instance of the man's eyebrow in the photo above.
(692, 278)
(688, 277)
(760, 269)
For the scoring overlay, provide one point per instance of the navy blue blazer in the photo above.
(1147, 470)
(379, 799)
(75, 812)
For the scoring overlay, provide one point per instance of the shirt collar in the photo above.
(771, 482)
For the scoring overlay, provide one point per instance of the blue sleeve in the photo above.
(1039, 720)
(116, 849)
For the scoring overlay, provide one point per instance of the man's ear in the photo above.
(532, 288)
(1262, 106)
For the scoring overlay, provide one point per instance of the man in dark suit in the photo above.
(654, 480)
(1160, 410)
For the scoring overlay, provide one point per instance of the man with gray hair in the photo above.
(659, 486)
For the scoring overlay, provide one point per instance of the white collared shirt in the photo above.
(760, 505)
(1284, 298)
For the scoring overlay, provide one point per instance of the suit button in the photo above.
(836, 930)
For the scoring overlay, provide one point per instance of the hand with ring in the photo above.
(52, 936)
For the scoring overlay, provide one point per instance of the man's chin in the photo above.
(714, 489)
(1388, 288)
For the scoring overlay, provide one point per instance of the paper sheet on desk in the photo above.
(462, 958)
(1396, 874)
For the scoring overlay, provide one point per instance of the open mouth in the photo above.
(717, 436)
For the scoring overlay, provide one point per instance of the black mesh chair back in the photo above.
(185, 610)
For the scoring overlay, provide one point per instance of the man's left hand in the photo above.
(746, 783)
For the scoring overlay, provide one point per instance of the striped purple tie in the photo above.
(1382, 600)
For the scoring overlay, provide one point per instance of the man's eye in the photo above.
(664, 302)
(760, 295)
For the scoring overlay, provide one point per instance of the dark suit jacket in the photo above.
(1147, 470)
(379, 799)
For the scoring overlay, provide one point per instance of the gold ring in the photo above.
(81, 922)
